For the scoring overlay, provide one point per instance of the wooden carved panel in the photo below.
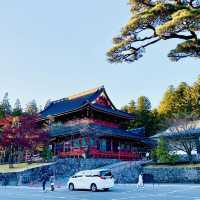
(102, 100)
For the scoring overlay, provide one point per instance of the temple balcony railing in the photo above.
(95, 153)
(84, 121)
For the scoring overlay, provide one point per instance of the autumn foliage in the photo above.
(20, 134)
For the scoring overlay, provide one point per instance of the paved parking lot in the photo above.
(119, 192)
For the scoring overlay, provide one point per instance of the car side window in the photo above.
(77, 176)
(89, 175)
(106, 173)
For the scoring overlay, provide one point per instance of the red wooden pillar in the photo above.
(88, 140)
(111, 145)
(54, 148)
(63, 146)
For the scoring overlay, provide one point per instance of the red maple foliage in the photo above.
(22, 133)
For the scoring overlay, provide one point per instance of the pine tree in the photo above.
(152, 121)
(6, 104)
(17, 109)
(167, 104)
(183, 99)
(132, 107)
(153, 21)
(177, 101)
(195, 95)
(143, 104)
(31, 107)
(2, 112)
(125, 108)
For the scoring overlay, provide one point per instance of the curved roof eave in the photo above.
(71, 111)
(126, 117)
(94, 108)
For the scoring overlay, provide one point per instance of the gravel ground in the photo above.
(119, 192)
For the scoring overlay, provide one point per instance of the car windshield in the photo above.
(105, 173)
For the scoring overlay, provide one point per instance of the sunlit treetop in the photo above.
(153, 21)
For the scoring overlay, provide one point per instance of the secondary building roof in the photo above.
(184, 129)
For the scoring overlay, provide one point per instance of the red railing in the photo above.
(99, 154)
(117, 155)
(72, 153)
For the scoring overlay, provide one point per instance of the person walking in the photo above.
(52, 182)
(140, 183)
(147, 156)
(44, 181)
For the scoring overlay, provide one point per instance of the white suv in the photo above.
(98, 179)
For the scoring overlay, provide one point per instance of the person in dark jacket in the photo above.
(44, 181)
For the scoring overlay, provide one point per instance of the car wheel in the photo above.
(93, 187)
(71, 186)
(106, 189)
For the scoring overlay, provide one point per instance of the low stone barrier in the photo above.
(123, 172)
(62, 168)
(158, 174)
(173, 174)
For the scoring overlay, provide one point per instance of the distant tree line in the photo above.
(182, 100)
(177, 102)
(145, 116)
(16, 110)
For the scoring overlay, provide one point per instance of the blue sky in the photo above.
(52, 49)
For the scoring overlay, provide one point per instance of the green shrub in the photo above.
(154, 155)
(46, 154)
(162, 153)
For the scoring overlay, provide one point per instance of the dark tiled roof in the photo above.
(100, 131)
(138, 131)
(109, 110)
(67, 105)
(71, 104)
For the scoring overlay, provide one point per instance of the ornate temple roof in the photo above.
(82, 100)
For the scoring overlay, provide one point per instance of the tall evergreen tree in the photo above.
(125, 108)
(6, 104)
(2, 112)
(195, 95)
(144, 116)
(130, 108)
(183, 99)
(143, 104)
(167, 104)
(31, 107)
(17, 109)
(177, 101)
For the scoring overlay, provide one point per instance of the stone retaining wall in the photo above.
(62, 168)
(158, 174)
(125, 173)
(174, 174)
